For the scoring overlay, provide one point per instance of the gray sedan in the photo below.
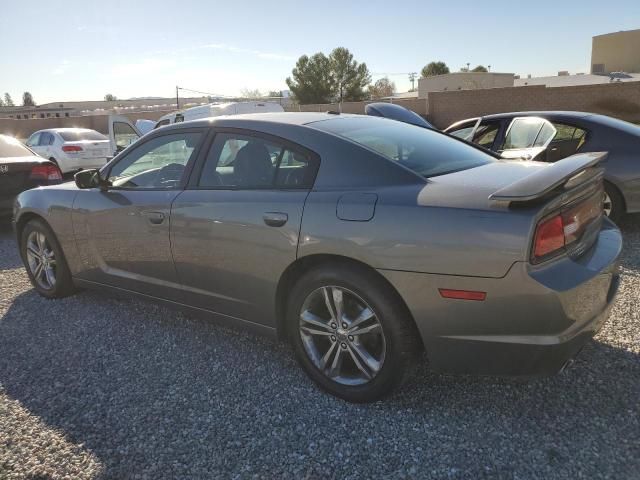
(362, 241)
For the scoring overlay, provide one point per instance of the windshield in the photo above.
(10, 147)
(79, 135)
(424, 151)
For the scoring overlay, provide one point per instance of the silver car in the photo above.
(363, 241)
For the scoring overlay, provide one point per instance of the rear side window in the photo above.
(248, 162)
(80, 135)
(10, 147)
(424, 151)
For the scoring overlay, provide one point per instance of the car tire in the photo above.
(391, 346)
(613, 202)
(39, 246)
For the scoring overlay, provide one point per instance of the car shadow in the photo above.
(134, 383)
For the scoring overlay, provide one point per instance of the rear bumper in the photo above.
(6, 206)
(533, 320)
(72, 164)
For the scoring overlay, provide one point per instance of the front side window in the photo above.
(124, 135)
(463, 131)
(247, 162)
(528, 132)
(486, 134)
(426, 152)
(158, 163)
(11, 147)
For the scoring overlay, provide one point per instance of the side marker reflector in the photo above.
(462, 294)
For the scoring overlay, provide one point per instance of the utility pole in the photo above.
(177, 99)
(412, 79)
(489, 68)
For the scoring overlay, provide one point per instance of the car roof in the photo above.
(284, 118)
(540, 113)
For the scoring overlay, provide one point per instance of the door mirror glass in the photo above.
(88, 179)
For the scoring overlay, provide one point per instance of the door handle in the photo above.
(156, 218)
(275, 219)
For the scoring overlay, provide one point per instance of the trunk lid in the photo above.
(90, 148)
(15, 173)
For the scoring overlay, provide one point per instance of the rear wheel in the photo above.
(350, 334)
(44, 261)
(613, 202)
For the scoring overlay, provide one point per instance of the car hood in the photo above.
(471, 188)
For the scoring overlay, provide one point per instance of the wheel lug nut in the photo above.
(351, 338)
(333, 338)
(343, 345)
(334, 326)
(344, 325)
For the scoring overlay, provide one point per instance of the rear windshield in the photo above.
(79, 135)
(424, 151)
(10, 147)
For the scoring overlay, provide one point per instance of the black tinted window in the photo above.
(424, 151)
(10, 147)
(241, 161)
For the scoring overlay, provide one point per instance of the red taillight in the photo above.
(71, 148)
(45, 173)
(555, 233)
(549, 237)
(462, 294)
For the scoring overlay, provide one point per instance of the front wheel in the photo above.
(350, 333)
(44, 261)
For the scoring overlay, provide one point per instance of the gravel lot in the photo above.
(97, 387)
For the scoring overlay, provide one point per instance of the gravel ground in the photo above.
(97, 387)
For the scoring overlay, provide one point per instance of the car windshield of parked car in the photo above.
(10, 147)
(424, 151)
(80, 135)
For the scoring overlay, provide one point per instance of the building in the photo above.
(616, 52)
(39, 111)
(463, 81)
(576, 80)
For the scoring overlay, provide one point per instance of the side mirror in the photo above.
(89, 179)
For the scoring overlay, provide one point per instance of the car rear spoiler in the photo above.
(568, 172)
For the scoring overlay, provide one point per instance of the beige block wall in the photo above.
(22, 129)
(621, 100)
(618, 52)
(463, 81)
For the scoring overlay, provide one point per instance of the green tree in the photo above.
(110, 97)
(274, 93)
(311, 80)
(480, 68)
(27, 100)
(8, 100)
(434, 68)
(1, 102)
(350, 78)
(383, 87)
(324, 79)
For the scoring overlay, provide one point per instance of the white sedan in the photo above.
(72, 149)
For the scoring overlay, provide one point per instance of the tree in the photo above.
(275, 93)
(1, 102)
(434, 68)
(311, 80)
(322, 79)
(248, 93)
(8, 100)
(480, 68)
(350, 78)
(27, 100)
(383, 87)
(110, 97)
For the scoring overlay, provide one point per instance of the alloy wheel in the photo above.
(342, 335)
(41, 259)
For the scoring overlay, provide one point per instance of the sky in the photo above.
(82, 50)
